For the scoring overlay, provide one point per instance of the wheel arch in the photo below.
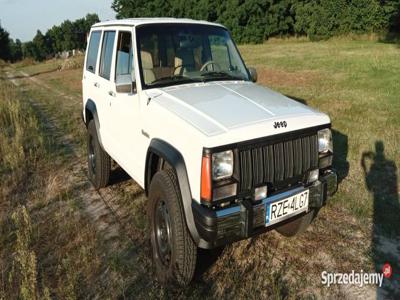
(91, 114)
(160, 149)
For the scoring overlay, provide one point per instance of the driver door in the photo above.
(124, 106)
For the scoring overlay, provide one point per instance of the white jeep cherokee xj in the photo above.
(220, 157)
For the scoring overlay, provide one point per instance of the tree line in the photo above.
(253, 21)
(250, 21)
(67, 36)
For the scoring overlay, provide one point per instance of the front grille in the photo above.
(278, 161)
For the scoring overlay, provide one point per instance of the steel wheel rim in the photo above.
(163, 232)
(92, 155)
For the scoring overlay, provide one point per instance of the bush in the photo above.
(324, 18)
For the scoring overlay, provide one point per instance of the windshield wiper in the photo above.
(172, 79)
(219, 75)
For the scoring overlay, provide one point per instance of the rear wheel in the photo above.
(174, 252)
(99, 162)
(298, 225)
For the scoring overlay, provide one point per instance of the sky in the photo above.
(22, 18)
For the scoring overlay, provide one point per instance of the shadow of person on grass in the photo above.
(381, 180)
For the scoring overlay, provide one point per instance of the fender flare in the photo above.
(176, 160)
(91, 107)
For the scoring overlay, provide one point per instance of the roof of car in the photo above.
(141, 21)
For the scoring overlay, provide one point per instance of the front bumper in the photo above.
(221, 227)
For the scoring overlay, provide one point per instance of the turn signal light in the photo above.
(205, 191)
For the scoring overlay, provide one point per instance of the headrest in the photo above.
(147, 60)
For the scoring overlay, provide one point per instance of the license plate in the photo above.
(283, 209)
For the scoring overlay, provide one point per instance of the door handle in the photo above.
(111, 93)
(96, 84)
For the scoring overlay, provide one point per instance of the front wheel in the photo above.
(174, 252)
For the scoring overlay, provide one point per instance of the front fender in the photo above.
(176, 160)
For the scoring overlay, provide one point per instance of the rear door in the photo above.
(104, 84)
(89, 89)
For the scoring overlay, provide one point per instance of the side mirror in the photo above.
(125, 84)
(253, 74)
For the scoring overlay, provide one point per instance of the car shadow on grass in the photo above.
(118, 175)
(381, 180)
(340, 151)
(205, 260)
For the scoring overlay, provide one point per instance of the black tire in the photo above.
(99, 162)
(298, 225)
(174, 252)
(162, 164)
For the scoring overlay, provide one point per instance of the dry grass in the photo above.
(47, 249)
(26, 62)
(21, 141)
(71, 63)
(280, 78)
(21, 145)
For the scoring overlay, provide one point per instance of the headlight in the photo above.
(325, 141)
(222, 165)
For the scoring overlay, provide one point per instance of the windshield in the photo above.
(172, 54)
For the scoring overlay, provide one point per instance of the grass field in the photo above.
(70, 246)
(356, 83)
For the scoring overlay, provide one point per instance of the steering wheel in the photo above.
(182, 66)
(216, 67)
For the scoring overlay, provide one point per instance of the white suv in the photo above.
(220, 157)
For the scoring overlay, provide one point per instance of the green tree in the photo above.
(391, 11)
(28, 49)
(90, 19)
(15, 50)
(255, 20)
(280, 18)
(40, 47)
(4, 44)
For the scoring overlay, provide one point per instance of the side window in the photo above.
(124, 54)
(92, 51)
(106, 54)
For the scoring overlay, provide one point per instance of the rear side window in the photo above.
(92, 51)
(106, 54)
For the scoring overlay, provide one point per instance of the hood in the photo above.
(218, 107)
